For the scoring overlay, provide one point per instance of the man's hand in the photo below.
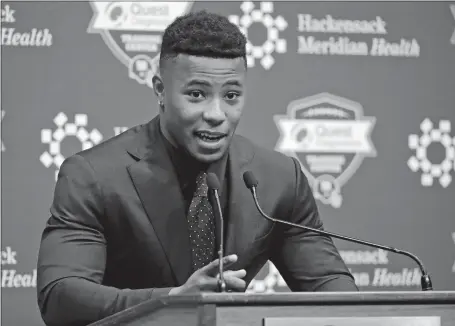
(206, 278)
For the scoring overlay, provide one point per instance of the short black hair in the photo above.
(203, 34)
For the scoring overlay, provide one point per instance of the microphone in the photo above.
(214, 185)
(251, 183)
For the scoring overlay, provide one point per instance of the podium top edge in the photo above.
(283, 299)
(312, 298)
(316, 297)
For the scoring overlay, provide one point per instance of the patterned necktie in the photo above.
(201, 225)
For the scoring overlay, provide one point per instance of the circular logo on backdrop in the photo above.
(64, 129)
(330, 137)
(432, 135)
(133, 30)
(273, 25)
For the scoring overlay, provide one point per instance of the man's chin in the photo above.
(208, 157)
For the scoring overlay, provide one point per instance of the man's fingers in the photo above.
(235, 283)
(239, 274)
(212, 268)
(207, 284)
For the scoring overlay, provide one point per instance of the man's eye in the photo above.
(232, 95)
(196, 94)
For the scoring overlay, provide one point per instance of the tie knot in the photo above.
(201, 185)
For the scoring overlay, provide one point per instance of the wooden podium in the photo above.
(435, 308)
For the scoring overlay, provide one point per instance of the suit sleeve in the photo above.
(72, 254)
(308, 261)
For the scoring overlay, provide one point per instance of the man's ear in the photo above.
(158, 87)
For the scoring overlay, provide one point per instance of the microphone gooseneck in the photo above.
(213, 187)
(251, 183)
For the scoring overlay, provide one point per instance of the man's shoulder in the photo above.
(113, 151)
(119, 143)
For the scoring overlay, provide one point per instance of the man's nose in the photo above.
(215, 113)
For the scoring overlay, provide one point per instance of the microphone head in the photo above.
(250, 180)
(212, 182)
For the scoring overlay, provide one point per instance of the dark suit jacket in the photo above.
(117, 235)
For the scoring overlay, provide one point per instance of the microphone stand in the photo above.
(425, 278)
(221, 281)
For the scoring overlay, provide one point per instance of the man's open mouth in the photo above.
(210, 136)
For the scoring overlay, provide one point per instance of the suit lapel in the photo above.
(240, 230)
(157, 186)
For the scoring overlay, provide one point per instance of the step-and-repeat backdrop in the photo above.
(363, 94)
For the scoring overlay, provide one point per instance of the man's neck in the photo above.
(186, 166)
(181, 158)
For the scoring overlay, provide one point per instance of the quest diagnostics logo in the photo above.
(273, 26)
(133, 31)
(330, 137)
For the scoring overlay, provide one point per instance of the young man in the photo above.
(130, 220)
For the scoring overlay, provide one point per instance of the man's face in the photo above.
(203, 102)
